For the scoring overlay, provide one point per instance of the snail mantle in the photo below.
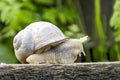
(76, 71)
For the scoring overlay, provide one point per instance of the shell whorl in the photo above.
(23, 45)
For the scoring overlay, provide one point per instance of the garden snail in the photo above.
(43, 42)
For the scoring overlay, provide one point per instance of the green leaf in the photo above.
(62, 18)
(68, 33)
(115, 20)
(74, 28)
(117, 5)
(79, 35)
(69, 14)
(117, 36)
(50, 15)
(4, 15)
(27, 4)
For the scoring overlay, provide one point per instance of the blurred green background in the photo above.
(99, 19)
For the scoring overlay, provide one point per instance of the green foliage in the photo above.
(115, 24)
(67, 15)
(115, 21)
(17, 14)
(73, 31)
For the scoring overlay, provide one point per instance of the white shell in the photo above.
(45, 34)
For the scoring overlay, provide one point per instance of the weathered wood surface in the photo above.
(77, 71)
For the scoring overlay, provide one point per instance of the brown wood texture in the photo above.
(76, 71)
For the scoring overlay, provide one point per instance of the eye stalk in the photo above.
(83, 39)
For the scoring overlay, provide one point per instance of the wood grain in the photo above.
(77, 71)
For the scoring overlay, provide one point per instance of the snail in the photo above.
(43, 42)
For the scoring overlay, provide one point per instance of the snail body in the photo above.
(66, 52)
